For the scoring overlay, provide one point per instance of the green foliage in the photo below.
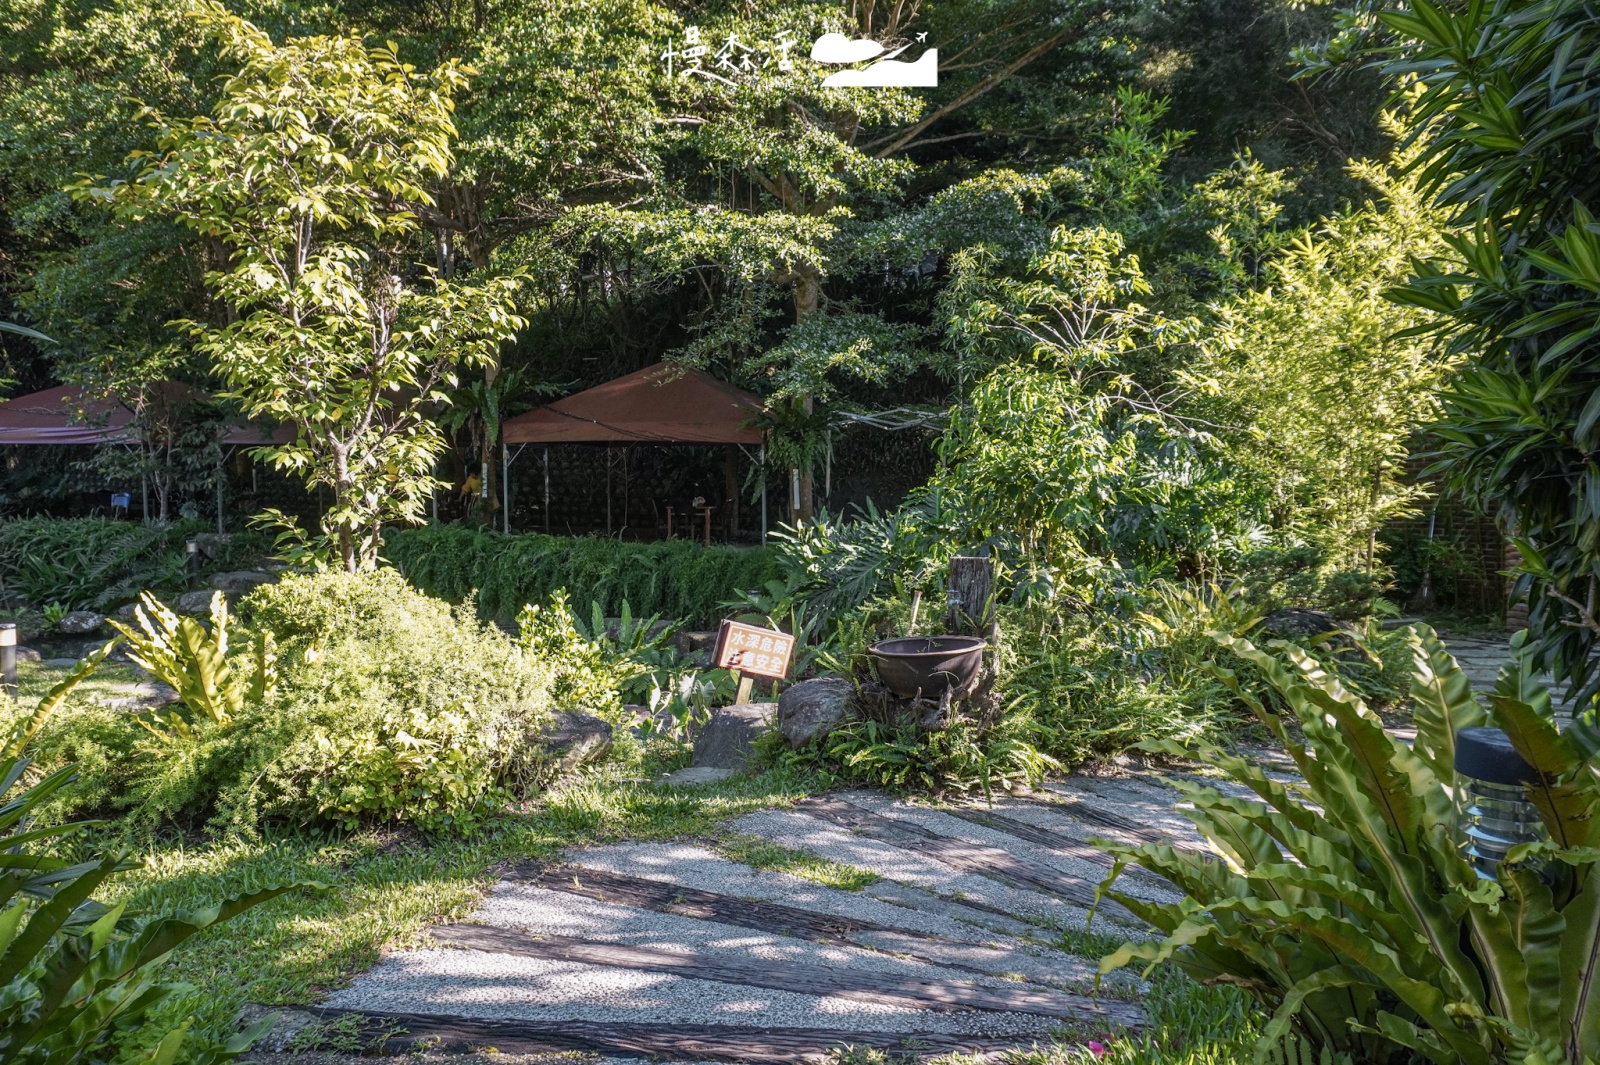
(1345, 905)
(962, 758)
(195, 662)
(1510, 147)
(84, 563)
(389, 706)
(1275, 578)
(1315, 385)
(674, 579)
(310, 172)
(81, 977)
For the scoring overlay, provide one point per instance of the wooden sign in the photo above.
(753, 650)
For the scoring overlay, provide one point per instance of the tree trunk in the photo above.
(343, 485)
(807, 301)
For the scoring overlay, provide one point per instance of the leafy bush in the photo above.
(675, 579)
(80, 977)
(389, 705)
(1345, 904)
(87, 563)
(194, 662)
(1273, 578)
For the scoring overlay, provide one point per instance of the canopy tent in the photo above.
(661, 404)
(61, 415)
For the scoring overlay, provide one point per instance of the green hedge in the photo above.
(88, 562)
(677, 579)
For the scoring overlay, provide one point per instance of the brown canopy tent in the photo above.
(660, 404)
(64, 415)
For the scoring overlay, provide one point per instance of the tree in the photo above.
(1317, 381)
(1512, 142)
(310, 171)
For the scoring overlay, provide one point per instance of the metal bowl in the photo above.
(931, 665)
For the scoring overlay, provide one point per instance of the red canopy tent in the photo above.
(661, 404)
(62, 416)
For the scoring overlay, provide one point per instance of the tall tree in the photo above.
(309, 171)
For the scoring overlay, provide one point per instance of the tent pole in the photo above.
(505, 488)
(547, 489)
(608, 489)
(220, 470)
(144, 497)
(763, 495)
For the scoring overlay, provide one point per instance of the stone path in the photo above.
(672, 952)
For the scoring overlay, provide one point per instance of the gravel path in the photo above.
(675, 945)
(672, 952)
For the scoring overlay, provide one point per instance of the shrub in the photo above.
(389, 706)
(84, 563)
(1345, 905)
(676, 579)
(81, 986)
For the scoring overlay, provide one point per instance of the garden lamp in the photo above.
(1495, 812)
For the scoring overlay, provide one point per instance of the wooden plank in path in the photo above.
(1116, 824)
(859, 985)
(991, 862)
(408, 1033)
(1055, 841)
(658, 895)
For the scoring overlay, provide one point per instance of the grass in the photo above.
(759, 853)
(110, 681)
(384, 888)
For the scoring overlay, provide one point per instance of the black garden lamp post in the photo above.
(1492, 792)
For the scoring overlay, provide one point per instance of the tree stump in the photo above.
(971, 597)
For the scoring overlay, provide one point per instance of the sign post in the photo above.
(751, 651)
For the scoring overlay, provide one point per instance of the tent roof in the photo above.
(61, 416)
(660, 404)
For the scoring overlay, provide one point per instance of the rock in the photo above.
(81, 623)
(1297, 621)
(812, 708)
(239, 582)
(694, 775)
(128, 612)
(212, 545)
(60, 663)
(196, 603)
(725, 742)
(141, 696)
(572, 740)
(687, 642)
(28, 654)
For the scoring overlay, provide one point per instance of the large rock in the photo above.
(572, 740)
(726, 741)
(81, 623)
(212, 545)
(196, 603)
(240, 582)
(1297, 622)
(812, 708)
